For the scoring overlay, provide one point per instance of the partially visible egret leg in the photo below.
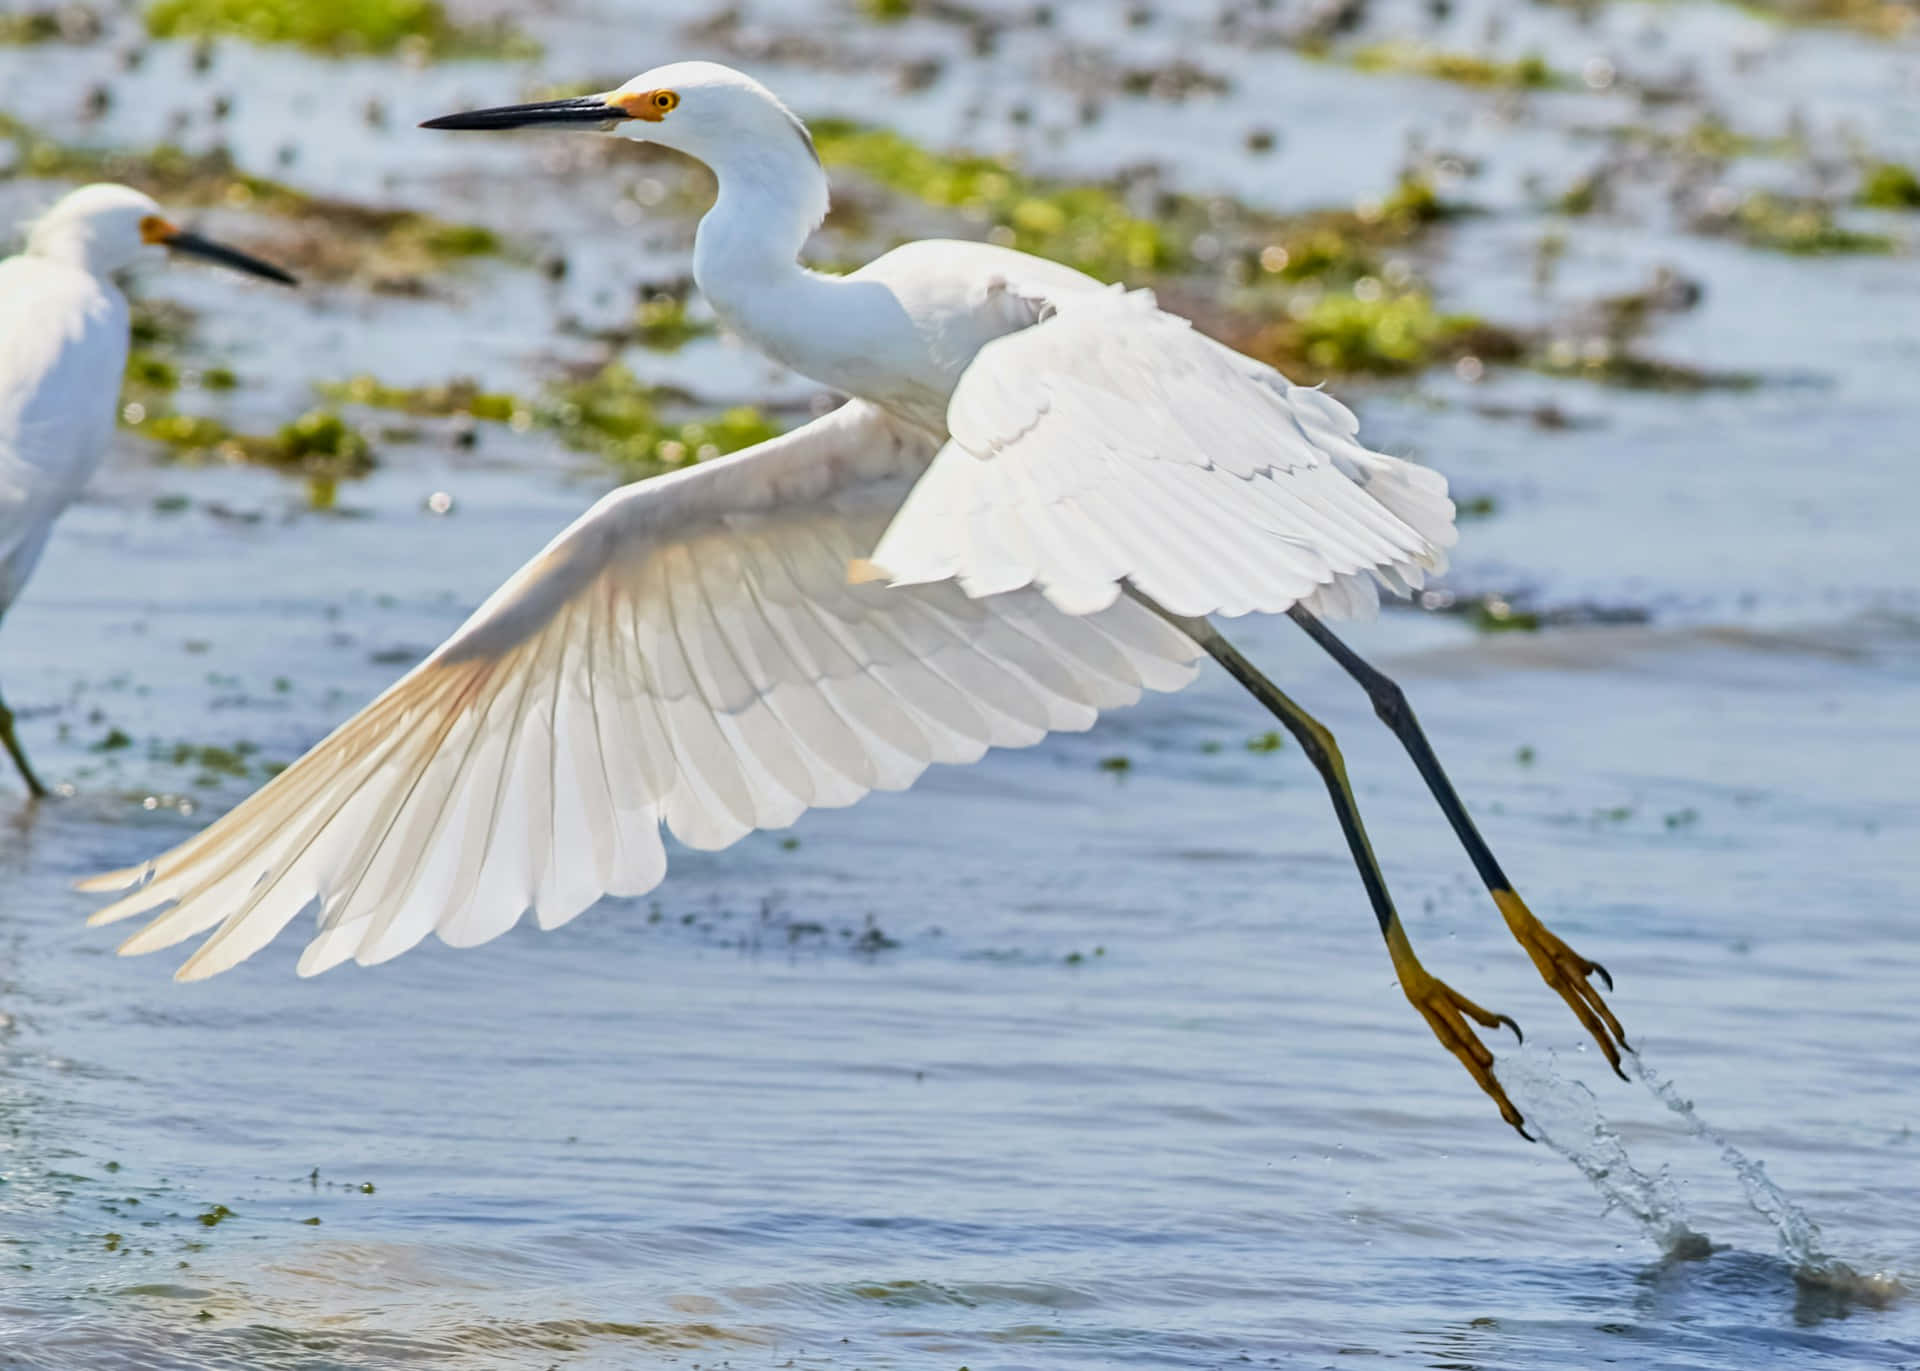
(1445, 1009)
(14, 750)
(1559, 965)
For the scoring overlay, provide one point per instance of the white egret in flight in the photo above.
(63, 349)
(1039, 491)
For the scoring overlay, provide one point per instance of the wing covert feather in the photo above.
(1110, 442)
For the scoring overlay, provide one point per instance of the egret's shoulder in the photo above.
(956, 266)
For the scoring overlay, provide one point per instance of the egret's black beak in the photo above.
(193, 245)
(590, 109)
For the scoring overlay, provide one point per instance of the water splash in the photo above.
(1796, 1232)
(1565, 1116)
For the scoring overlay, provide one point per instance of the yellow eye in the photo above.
(664, 100)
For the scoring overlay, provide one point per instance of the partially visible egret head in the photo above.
(105, 228)
(723, 117)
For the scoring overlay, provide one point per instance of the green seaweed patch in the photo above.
(1609, 362)
(414, 28)
(211, 759)
(1880, 18)
(319, 444)
(1529, 72)
(615, 414)
(1708, 138)
(1780, 223)
(1888, 185)
(1370, 330)
(1085, 226)
(148, 370)
(660, 324)
(610, 412)
(161, 323)
(1095, 227)
(1713, 138)
(61, 24)
(1492, 614)
(461, 396)
(1344, 246)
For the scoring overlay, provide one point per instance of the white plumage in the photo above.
(63, 350)
(691, 654)
(694, 654)
(63, 347)
(1111, 443)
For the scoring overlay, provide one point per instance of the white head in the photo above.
(105, 228)
(723, 117)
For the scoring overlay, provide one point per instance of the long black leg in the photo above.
(1562, 968)
(1444, 1009)
(15, 751)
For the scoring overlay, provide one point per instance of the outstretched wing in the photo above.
(689, 653)
(1111, 442)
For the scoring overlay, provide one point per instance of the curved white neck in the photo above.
(746, 254)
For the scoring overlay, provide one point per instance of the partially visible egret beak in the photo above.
(157, 230)
(587, 109)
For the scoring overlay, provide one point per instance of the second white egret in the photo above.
(63, 351)
(1039, 491)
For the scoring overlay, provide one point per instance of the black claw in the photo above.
(1521, 1130)
(1621, 1074)
(1518, 1036)
(1595, 969)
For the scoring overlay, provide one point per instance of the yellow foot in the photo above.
(1446, 1012)
(1567, 972)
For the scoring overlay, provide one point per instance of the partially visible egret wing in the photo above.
(63, 348)
(690, 653)
(1111, 442)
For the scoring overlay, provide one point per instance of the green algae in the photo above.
(1088, 227)
(616, 415)
(319, 444)
(1529, 72)
(1623, 368)
(1888, 185)
(150, 370)
(660, 323)
(458, 396)
(419, 28)
(1386, 333)
(1493, 614)
(61, 24)
(1364, 313)
(211, 762)
(609, 412)
(1878, 18)
(1781, 223)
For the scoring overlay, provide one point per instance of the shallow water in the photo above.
(1041, 1064)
